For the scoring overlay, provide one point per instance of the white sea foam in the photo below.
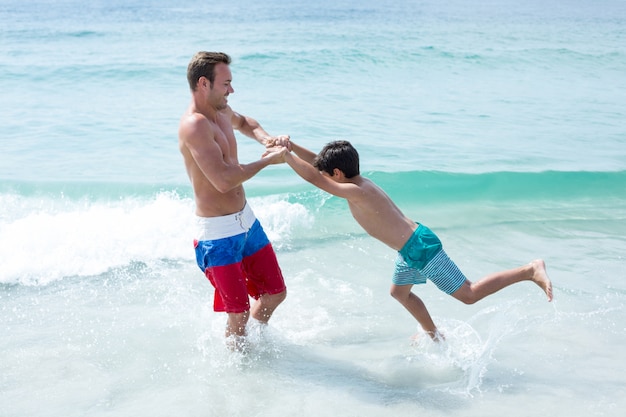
(43, 241)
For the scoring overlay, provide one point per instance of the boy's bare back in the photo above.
(372, 208)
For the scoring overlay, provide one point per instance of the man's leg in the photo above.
(236, 324)
(263, 308)
(265, 279)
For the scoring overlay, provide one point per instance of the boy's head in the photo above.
(339, 154)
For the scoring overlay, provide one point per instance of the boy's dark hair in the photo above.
(338, 154)
(203, 65)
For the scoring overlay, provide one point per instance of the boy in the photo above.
(420, 254)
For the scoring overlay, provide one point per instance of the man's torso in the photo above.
(210, 202)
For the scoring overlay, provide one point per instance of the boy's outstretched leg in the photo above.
(471, 292)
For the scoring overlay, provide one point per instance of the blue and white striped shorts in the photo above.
(440, 270)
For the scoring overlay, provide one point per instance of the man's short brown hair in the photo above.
(203, 65)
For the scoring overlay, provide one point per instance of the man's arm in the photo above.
(199, 139)
(251, 128)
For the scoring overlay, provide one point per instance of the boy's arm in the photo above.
(311, 174)
(303, 153)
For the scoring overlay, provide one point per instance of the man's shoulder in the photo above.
(192, 124)
(193, 117)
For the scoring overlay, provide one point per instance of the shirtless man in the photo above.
(420, 254)
(231, 247)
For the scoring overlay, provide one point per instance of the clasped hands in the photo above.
(276, 147)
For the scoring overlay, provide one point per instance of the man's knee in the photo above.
(266, 304)
(278, 298)
(273, 300)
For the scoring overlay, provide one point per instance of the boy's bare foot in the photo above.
(435, 336)
(540, 277)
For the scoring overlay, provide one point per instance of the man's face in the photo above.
(221, 86)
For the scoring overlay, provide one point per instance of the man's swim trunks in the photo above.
(423, 257)
(236, 256)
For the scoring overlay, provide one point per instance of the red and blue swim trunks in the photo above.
(236, 256)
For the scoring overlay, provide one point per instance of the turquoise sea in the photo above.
(498, 123)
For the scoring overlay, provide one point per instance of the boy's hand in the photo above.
(280, 140)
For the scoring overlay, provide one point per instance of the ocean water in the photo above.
(500, 124)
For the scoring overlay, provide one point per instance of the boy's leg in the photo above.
(471, 292)
(415, 306)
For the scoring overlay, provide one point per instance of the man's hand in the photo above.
(280, 140)
(275, 154)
